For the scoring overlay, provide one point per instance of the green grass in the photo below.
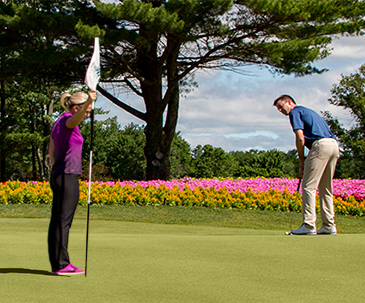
(266, 220)
(158, 263)
(193, 255)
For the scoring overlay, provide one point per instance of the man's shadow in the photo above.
(25, 271)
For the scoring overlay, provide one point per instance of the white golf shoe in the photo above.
(304, 230)
(327, 231)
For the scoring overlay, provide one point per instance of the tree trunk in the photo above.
(46, 162)
(40, 164)
(33, 149)
(47, 132)
(34, 167)
(2, 133)
(159, 138)
(156, 153)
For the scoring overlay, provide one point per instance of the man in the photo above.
(318, 168)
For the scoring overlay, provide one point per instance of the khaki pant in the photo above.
(319, 168)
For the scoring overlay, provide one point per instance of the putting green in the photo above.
(139, 262)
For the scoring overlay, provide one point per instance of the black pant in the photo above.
(65, 199)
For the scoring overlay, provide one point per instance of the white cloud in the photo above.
(235, 112)
(349, 47)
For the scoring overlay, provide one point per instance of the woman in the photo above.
(65, 154)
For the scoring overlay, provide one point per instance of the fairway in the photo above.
(144, 262)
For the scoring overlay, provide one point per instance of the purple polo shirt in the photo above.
(68, 147)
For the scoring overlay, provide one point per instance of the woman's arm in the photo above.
(51, 151)
(79, 116)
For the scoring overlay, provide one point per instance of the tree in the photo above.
(291, 165)
(180, 158)
(268, 164)
(27, 130)
(154, 47)
(350, 95)
(36, 57)
(118, 152)
(126, 161)
(213, 162)
(105, 139)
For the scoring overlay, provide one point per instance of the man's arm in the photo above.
(299, 142)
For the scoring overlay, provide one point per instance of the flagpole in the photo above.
(91, 79)
(89, 192)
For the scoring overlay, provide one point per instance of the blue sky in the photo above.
(235, 112)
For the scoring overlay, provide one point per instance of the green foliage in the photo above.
(26, 129)
(38, 60)
(153, 47)
(89, 33)
(268, 164)
(155, 18)
(212, 162)
(163, 42)
(350, 95)
(118, 154)
(127, 161)
(284, 35)
(180, 158)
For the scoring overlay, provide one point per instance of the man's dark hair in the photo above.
(284, 98)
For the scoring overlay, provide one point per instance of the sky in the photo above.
(235, 111)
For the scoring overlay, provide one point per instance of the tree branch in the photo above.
(121, 104)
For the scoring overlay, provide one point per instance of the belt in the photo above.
(325, 139)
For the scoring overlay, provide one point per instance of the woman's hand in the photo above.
(92, 95)
(81, 111)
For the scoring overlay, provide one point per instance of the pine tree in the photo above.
(154, 48)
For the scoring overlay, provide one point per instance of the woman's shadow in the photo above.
(25, 271)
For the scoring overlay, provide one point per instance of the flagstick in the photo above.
(89, 193)
(91, 80)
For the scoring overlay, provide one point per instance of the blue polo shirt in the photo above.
(312, 124)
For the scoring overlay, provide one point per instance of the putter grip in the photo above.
(300, 181)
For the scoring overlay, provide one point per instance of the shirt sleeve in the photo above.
(296, 120)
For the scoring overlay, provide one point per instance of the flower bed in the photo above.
(258, 194)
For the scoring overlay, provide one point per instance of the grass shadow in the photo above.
(25, 271)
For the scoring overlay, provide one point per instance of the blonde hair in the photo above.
(67, 100)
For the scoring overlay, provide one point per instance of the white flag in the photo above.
(93, 71)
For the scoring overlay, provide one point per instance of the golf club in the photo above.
(291, 219)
